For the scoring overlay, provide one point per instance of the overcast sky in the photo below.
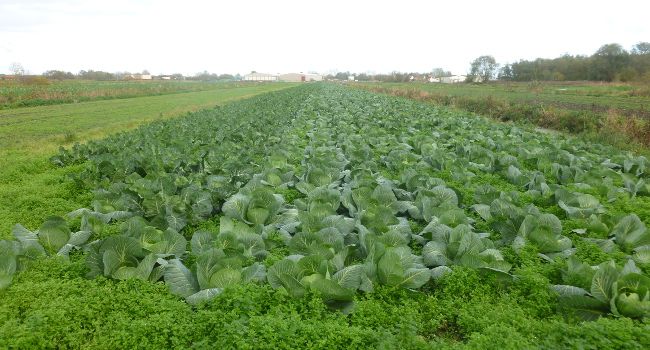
(189, 36)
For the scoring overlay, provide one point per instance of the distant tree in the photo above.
(145, 72)
(439, 73)
(58, 75)
(393, 77)
(505, 73)
(640, 61)
(483, 69)
(627, 74)
(642, 48)
(122, 75)
(342, 75)
(557, 76)
(95, 75)
(398, 77)
(608, 61)
(645, 77)
(177, 76)
(363, 77)
(205, 76)
(16, 68)
(566, 67)
(226, 77)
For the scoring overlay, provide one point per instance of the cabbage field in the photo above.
(327, 217)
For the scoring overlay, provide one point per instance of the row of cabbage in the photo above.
(329, 206)
(170, 173)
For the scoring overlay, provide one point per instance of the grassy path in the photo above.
(32, 189)
(41, 92)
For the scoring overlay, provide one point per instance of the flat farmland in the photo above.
(611, 113)
(323, 216)
(38, 91)
(598, 97)
(30, 187)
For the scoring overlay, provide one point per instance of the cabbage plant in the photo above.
(604, 289)
(461, 246)
(253, 205)
(632, 236)
(544, 231)
(578, 205)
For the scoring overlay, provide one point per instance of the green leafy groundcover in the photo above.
(323, 217)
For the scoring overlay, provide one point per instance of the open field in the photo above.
(40, 91)
(329, 217)
(31, 188)
(597, 97)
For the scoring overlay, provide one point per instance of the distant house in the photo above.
(298, 77)
(313, 77)
(260, 77)
(433, 80)
(292, 77)
(453, 79)
(141, 76)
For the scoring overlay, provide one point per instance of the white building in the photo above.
(260, 77)
(313, 77)
(299, 77)
(292, 77)
(453, 79)
(142, 76)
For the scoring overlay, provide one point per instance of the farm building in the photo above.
(313, 77)
(298, 77)
(453, 79)
(141, 76)
(260, 77)
(292, 77)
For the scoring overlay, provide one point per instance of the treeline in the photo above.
(103, 76)
(393, 77)
(205, 76)
(92, 75)
(610, 62)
